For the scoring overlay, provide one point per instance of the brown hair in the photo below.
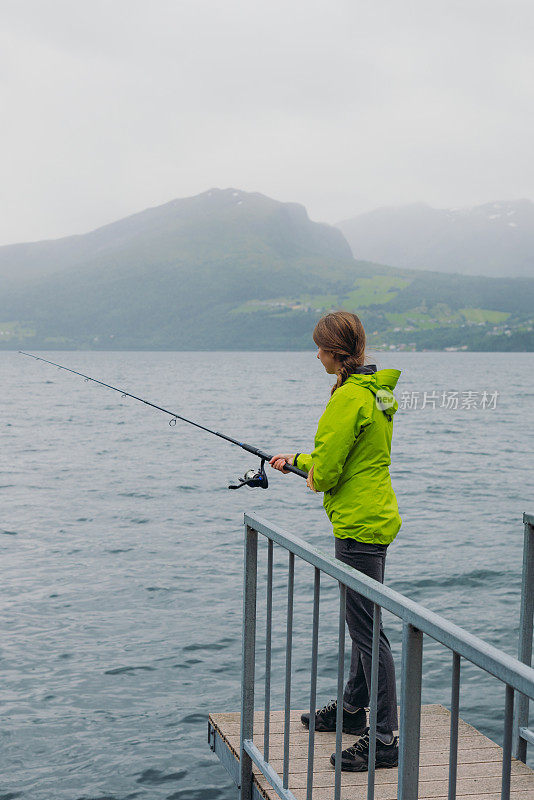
(342, 334)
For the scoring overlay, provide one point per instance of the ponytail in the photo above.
(342, 334)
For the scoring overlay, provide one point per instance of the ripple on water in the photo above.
(222, 645)
(194, 718)
(187, 664)
(155, 776)
(209, 793)
(107, 797)
(122, 670)
(477, 577)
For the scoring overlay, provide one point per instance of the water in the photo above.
(122, 552)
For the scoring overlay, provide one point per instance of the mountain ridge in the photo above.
(236, 270)
(165, 224)
(494, 239)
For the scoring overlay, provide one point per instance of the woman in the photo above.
(350, 464)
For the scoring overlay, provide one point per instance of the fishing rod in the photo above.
(254, 478)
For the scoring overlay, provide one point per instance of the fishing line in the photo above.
(252, 478)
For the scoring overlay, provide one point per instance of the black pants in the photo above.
(369, 559)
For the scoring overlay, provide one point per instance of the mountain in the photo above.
(168, 276)
(191, 230)
(234, 270)
(495, 239)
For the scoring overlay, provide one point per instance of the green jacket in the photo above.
(352, 455)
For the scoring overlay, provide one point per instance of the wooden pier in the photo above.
(479, 760)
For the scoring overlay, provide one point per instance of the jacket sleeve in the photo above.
(338, 428)
(303, 461)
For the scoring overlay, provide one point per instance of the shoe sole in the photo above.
(358, 732)
(365, 768)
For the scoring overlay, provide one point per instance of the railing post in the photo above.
(455, 716)
(373, 702)
(289, 655)
(249, 657)
(340, 687)
(268, 649)
(507, 743)
(525, 633)
(410, 722)
(313, 680)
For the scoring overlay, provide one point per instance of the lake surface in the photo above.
(122, 551)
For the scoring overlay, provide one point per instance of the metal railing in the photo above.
(523, 735)
(417, 620)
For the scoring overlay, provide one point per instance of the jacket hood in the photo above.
(380, 383)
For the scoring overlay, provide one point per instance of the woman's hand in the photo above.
(279, 461)
(309, 479)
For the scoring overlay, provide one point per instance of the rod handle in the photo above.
(296, 471)
(289, 467)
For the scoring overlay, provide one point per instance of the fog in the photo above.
(346, 105)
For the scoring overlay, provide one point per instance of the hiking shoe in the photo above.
(325, 719)
(356, 758)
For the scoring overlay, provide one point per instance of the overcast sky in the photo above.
(111, 106)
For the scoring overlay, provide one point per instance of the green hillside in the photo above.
(232, 270)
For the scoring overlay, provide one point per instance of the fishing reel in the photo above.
(254, 478)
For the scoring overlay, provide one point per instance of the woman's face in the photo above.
(328, 361)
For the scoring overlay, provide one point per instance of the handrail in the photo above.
(417, 619)
(523, 735)
(471, 647)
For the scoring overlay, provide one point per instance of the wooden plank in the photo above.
(479, 760)
(323, 772)
(438, 719)
(431, 730)
(327, 794)
(438, 758)
(299, 738)
(471, 788)
(229, 716)
(433, 758)
(435, 722)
